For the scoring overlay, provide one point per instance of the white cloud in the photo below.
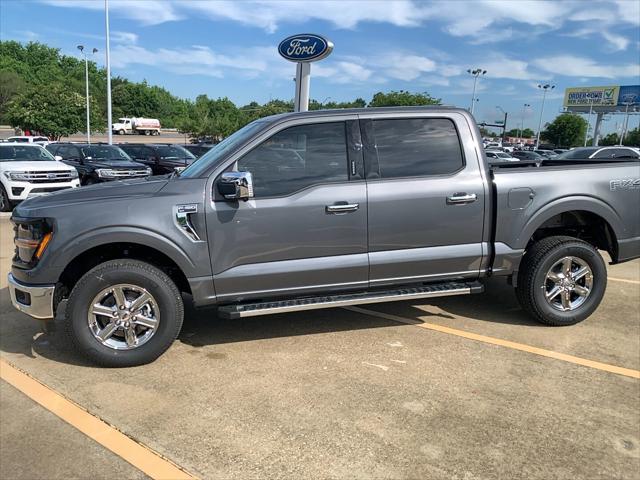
(147, 12)
(572, 66)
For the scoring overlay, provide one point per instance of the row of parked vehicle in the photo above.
(498, 155)
(35, 167)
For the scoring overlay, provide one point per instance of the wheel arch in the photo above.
(586, 218)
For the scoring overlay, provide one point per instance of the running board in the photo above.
(343, 300)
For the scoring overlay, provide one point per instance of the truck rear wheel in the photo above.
(561, 280)
(147, 132)
(124, 313)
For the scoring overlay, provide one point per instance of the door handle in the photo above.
(462, 198)
(342, 208)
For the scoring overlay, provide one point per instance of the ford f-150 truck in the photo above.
(321, 209)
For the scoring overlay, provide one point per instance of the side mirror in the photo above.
(58, 158)
(236, 185)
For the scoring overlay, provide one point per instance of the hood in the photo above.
(37, 166)
(115, 164)
(115, 191)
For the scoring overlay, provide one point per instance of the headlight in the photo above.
(17, 176)
(74, 173)
(149, 171)
(106, 173)
(32, 235)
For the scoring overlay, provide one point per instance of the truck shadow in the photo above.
(19, 334)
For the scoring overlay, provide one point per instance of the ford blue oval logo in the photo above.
(305, 48)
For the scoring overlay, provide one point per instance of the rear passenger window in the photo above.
(296, 158)
(416, 147)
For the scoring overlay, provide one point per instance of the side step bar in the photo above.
(343, 300)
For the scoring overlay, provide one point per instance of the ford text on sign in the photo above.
(305, 48)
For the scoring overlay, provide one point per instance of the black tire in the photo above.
(132, 272)
(5, 203)
(88, 180)
(121, 132)
(538, 260)
(147, 132)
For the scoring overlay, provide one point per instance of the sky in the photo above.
(229, 48)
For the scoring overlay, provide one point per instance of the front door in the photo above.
(426, 199)
(305, 230)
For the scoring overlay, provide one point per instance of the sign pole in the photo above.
(303, 77)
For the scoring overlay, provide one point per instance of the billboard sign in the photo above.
(305, 47)
(587, 96)
(629, 95)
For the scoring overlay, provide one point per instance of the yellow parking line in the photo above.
(628, 372)
(140, 456)
(624, 280)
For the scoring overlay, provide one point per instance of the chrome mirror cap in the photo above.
(236, 185)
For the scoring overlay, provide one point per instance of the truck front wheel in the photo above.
(124, 313)
(561, 280)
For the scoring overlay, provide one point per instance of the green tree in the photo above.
(632, 138)
(402, 98)
(53, 111)
(610, 139)
(566, 130)
(526, 133)
(10, 85)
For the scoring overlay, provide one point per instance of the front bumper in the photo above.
(34, 300)
(18, 191)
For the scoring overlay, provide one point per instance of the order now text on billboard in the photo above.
(596, 96)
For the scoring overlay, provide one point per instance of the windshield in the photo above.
(221, 150)
(502, 155)
(173, 151)
(105, 152)
(24, 153)
(576, 153)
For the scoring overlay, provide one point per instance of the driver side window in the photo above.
(296, 158)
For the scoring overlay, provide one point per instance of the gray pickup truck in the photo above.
(321, 209)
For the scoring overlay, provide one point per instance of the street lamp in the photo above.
(476, 73)
(544, 88)
(504, 122)
(86, 79)
(521, 131)
(108, 65)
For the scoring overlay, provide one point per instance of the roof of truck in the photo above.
(368, 110)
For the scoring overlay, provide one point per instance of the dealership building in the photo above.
(613, 99)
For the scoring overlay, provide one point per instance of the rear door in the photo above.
(305, 230)
(426, 198)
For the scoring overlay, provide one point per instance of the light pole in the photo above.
(544, 88)
(625, 124)
(108, 62)
(504, 122)
(586, 135)
(476, 73)
(86, 79)
(521, 131)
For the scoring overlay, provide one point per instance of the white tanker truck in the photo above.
(141, 126)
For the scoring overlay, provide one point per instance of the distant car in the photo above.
(161, 158)
(599, 153)
(199, 149)
(28, 170)
(496, 156)
(39, 140)
(550, 154)
(560, 150)
(493, 145)
(527, 155)
(508, 147)
(98, 162)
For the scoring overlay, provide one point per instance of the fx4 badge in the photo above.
(624, 184)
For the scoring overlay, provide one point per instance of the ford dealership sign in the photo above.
(305, 48)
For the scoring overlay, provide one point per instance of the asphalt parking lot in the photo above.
(460, 388)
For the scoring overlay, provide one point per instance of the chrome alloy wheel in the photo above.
(123, 316)
(568, 284)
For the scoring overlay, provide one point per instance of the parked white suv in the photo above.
(38, 140)
(28, 170)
